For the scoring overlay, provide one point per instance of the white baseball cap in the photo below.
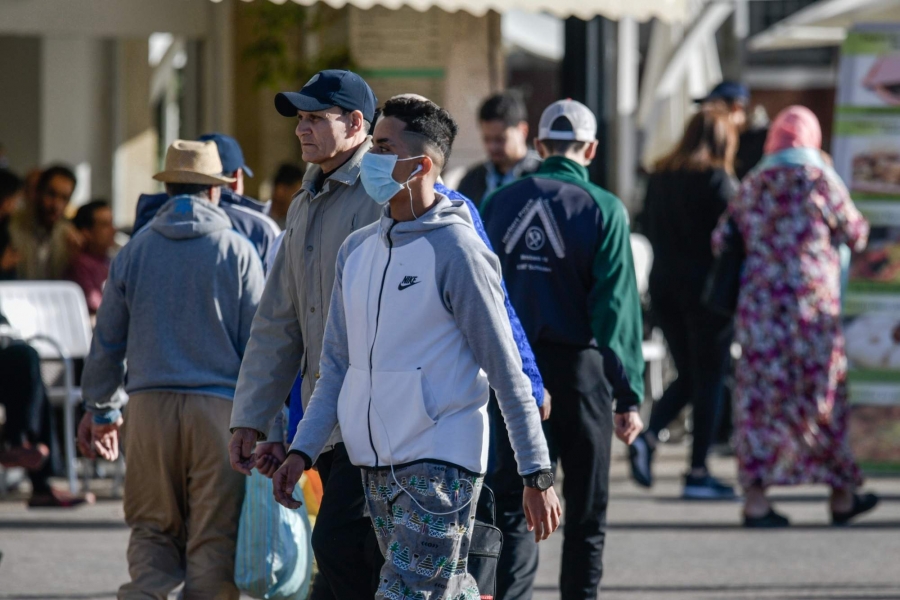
(568, 120)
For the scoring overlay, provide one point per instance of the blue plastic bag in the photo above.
(274, 557)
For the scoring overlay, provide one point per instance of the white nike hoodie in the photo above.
(416, 330)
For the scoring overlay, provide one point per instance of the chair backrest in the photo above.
(55, 309)
(642, 252)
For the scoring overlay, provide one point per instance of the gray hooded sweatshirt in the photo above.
(177, 305)
(417, 333)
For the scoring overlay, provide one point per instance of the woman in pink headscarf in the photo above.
(790, 397)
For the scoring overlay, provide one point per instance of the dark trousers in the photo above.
(698, 341)
(579, 434)
(29, 416)
(343, 540)
(518, 562)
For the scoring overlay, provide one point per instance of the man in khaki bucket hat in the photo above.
(177, 307)
(195, 163)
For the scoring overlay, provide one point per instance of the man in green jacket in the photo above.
(565, 252)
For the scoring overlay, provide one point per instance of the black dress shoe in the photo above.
(771, 520)
(861, 504)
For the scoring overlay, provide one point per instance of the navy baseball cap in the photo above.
(229, 151)
(334, 87)
(729, 91)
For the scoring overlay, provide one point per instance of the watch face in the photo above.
(544, 481)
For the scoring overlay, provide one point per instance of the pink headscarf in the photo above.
(794, 127)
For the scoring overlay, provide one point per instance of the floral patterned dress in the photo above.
(791, 407)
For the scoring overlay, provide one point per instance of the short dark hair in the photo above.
(288, 174)
(561, 147)
(84, 218)
(52, 171)
(508, 107)
(427, 119)
(10, 184)
(188, 189)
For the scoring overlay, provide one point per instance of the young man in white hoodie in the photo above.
(416, 334)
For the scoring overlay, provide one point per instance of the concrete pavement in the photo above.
(658, 547)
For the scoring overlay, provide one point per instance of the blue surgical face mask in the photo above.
(376, 172)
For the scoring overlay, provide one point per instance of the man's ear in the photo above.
(239, 180)
(590, 151)
(540, 148)
(428, 165)
(357, 122)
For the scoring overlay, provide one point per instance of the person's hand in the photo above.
(628, 426)
(105, 439)
(83, 436)
(269, 456)
(240, 450)
(542, 511)
(285, 480)
(545, 407)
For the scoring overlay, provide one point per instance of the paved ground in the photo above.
(658, 547)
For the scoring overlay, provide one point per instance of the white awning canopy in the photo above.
(825, 23)
(642, 10)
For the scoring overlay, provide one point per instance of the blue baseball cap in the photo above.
(729, 91)
(333, 87)
(229, 151)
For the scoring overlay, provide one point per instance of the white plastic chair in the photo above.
(52, 316)
(654, 349)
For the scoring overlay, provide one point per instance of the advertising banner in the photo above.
(866, 151)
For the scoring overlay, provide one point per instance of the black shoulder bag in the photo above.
(487, 541)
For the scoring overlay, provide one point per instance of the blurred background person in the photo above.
(687, 193)
(790, 397)
(10, 193)
(503, 121)
(90, 267)
(287, 182)
(734, 98)
(40, 231)
(29, 431)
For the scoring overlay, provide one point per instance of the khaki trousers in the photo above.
(182, 499)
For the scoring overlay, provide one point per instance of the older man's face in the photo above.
(322, 133)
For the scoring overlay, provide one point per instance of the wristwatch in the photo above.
(541, 481)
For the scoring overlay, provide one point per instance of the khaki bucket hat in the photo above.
(193, 162)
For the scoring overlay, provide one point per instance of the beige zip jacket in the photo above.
(287, 332)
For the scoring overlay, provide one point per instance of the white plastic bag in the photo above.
(274, 557)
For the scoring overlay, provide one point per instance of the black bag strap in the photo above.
(486, 510)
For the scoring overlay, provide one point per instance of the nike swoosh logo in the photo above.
(403, 286)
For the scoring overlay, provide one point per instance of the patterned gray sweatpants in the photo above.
(425, 553)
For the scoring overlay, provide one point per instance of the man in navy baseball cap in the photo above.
(334, 112)
(333, 108)
(334, 87)
(232, 158)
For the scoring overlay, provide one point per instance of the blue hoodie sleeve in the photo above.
(529, 364)
(104, 368)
